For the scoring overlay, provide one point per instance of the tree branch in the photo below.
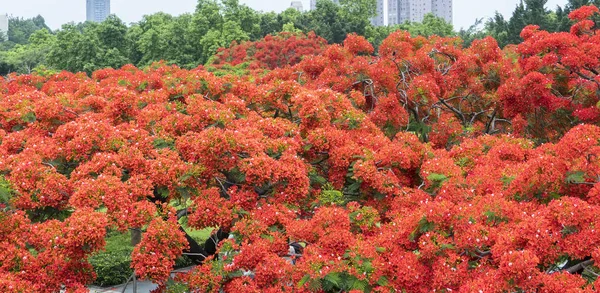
(579, 266)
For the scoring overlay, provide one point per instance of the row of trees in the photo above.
(190, 40)
(507, 31)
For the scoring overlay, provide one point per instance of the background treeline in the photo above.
(191, 39)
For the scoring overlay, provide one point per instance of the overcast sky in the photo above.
(58, 12)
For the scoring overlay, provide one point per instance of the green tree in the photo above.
(326, 21)
(247, 18)
(90, 46)
(24, 58)
(431, 25)
(526, 12)
(20, 29)
(216, 24)
(472, 33)
(215, 39)
(364, 9)
(161, 36)
(269, 23)
(562, 14)
(111, 33)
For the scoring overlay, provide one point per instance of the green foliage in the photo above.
(112, 266)
(25, 58)
(6, 192)
(424, 226)
(333, 22)
(192, 39)
(507, 31)
(20, 29)
(495, 218)
(336, 282)
(436, 180)
(434, 177)
(575, 177)
(176, 287)
(330, 196)
(90, 46)
(568, 230)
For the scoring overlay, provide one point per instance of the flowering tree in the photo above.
(419, 169)
(271, 52)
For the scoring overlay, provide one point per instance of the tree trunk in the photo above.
(136, 236)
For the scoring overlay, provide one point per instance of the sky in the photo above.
(58, 12)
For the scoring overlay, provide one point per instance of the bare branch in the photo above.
(579, 266)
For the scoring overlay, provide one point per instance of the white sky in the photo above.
(58, 12)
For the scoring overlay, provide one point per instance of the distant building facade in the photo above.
(379, 19)
(443, 9)
(401, 11)
(297, 5)
(4, 26)
(97, 10)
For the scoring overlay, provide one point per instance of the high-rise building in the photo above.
(379, 19)
(4, 27)
(97, 10)
(297, 5)
(443, 9)
(392, 12)
(401, 11)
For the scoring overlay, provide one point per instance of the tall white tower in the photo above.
(97, 10)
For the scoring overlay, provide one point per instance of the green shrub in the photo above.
(112, 267)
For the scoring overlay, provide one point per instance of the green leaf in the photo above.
(303, 280)
(383, 281)
(334, 278)
(507, 180)
(425, 226)
(161, 143)
(568, 230)
(361, 285)
(434, 177)
(575, 177)
(29, 117)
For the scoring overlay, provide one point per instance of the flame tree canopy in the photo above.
(426, 168)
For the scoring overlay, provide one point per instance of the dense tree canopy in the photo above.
(191, 39)
(428, 167)
(187, 40)
(533, 12)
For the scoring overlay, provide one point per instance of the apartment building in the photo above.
(97, 10)
(391, 12)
